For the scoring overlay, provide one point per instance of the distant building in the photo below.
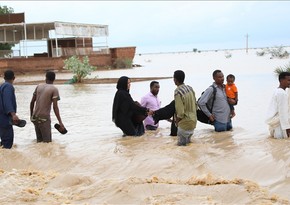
(63, 39)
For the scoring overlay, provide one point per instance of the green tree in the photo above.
(6, 10)
(79, 69)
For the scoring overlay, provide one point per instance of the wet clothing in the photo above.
(45, 94)
(151, 102)
(151, 127)
(125, 109)
(7, 136)
(43, 131)
(7, 105)
(184, 136)
(218, 126)
(278, 114)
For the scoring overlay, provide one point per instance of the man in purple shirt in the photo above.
(152, 102)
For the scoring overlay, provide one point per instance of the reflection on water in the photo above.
(94, 164)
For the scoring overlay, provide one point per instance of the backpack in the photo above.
(200, 114)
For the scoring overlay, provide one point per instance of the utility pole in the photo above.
(247, 40)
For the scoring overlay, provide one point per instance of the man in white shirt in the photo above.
(278, 112)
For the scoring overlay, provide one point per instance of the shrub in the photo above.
(79, 69)
(278, 52)
(122, 63)
(261, 53)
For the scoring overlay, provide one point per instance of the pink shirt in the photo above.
(153, 103)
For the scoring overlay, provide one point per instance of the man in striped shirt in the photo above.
(185, 109)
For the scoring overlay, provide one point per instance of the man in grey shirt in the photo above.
(221, 114)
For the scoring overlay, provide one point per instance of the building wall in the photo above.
(12, 18)
(37, 64)
(25, 65)
(123, 52)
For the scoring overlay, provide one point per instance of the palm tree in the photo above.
(280, 69)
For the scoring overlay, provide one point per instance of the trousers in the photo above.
(7, 137)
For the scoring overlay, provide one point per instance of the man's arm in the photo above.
(56, 112)
(203, 101)
(32, 102)
(9, 103)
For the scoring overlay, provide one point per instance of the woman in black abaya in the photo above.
(127, 114)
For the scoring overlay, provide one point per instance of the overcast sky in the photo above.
(154, 26)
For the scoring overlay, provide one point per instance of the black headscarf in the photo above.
(122, 85)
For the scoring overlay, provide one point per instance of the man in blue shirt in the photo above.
(7, 110)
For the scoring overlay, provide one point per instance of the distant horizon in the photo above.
(214, 50)
(37, 48)
(165, 26)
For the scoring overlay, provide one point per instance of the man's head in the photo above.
(50, 76)
(284, 79)
(218, 77)
(9, 75)
(154, 87)
(178, 77)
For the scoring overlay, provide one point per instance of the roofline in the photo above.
(52, 22)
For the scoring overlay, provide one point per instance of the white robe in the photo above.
(278, 114)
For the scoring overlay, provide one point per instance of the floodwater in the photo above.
(94, 164)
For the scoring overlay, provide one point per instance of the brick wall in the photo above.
(24, 65)
(36, 64)
(12, 18)
(123, 52)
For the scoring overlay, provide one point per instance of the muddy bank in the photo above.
(88, 81)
